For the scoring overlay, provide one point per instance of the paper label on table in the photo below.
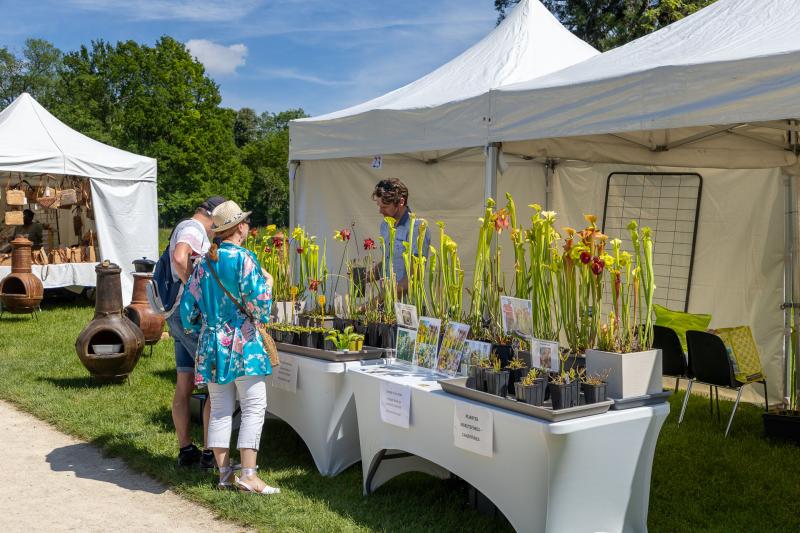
(473, 428)
(395, 402)
(285, 375)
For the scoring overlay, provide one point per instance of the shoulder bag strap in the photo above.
(227, 293)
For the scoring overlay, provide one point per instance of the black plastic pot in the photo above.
(305, 339)
(533, 394)
(561, 394)
(388, 336)
(328, 345)
(576, 391)
(783, 425)
(480, 379)
(575, 361)
(321, 340)
(595, 393)
(472, 377)
(497, 383)
(515, 376)
(360, 328)
(372, 337)
(504, 351)
(338, 323)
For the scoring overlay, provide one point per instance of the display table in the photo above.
(63, 275)
(321, 409)
(586, 474)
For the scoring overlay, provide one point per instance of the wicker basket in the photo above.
(14, 218)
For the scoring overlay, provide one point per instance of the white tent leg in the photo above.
(789, 285)
(549, 174)
(490, 176)
(293, 166)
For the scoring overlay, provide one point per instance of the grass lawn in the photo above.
(701, 482)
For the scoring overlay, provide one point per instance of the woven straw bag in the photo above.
(67, 197)
(48, 196)
(15, 196)
(14, 218)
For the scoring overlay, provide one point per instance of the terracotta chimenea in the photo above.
(110, 345)
(139, 310)
(21, 291)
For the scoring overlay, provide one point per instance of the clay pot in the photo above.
(110, 345)
(140, 312)
(21, 291)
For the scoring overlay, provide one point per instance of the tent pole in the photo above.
(490, 176)
(791, 312)
(293, 165)
(549, 172)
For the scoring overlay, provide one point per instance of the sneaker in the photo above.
(189, 456)
(207, 460)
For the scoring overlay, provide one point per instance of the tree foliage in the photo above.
(158, 101)
(606, 24)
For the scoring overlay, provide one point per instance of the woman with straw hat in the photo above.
(226, 295)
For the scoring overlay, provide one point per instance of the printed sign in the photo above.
(285, 375)
(406, 340)
(406, 315)
(395, 403)
(474, 352)
(473, 428)
(544, 355)
(517, 316)
(455, 335)
(377, 162)
(427, 347)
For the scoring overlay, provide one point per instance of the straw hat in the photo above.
(227, 215)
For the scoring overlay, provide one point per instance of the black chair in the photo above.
(673, 361)
(709, 363)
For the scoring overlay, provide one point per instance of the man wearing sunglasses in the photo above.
(391, 196)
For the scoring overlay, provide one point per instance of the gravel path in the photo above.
(52, 482)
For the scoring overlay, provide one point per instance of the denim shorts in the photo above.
(185, 345)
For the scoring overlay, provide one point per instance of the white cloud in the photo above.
(192, 10)
(293, 74)
(217, 58)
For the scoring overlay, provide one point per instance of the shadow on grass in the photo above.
(79, 383)
(87, 462)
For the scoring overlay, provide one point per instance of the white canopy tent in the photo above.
(718, 92)
(123, 184)
(430, 133)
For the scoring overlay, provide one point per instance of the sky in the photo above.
(272, 55)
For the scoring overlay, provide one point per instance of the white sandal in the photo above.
(247, 488)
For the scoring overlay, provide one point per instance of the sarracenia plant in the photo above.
(488, 283)
(522, 283)
(445, 278)
(643, 297)
(389, 279)
(542, 277)
(415, 263)
(272, 251)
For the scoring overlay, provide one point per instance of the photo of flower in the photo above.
(517, 316)
(452, 349)
(406, 340)
(427, 346)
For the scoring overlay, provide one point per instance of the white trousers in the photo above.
(253, 404)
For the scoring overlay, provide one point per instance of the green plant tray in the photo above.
(367, 353)
(458, 386)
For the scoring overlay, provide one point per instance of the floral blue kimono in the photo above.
(230, 345)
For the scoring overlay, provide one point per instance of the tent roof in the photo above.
(725, 79)
(447, 108)
(33, 140)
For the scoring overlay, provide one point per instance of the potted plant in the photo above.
(562, 391)
(484, 366)
(357, 342)
(784, 423)
(625, 343)
(517, 370)
(531, 388)
(341, 340)
(594, 386)
(497, 379)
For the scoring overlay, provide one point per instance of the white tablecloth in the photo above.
(64, 275)
(321, 410)
(586, 474)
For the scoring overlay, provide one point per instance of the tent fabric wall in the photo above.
(333, 194)
(738, 263)
(126, 217)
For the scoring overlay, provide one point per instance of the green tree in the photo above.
(245, 127)
(157, 101)
(35, 72)
(267, 158)
(606, 24)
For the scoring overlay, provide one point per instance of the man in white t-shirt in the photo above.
(190, 240)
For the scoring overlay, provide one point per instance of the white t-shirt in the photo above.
(192, 233)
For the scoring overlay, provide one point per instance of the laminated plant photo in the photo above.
(474, 352)
(450, 353)
(406, 340)
(517, 316)
(427, 342)
(406, 315)
(544, 355)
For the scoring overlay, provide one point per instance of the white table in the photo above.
(63, 275)
(586, 474)
(321, 410)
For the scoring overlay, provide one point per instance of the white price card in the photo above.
(473, 428)
(285, 375)
(395, 400)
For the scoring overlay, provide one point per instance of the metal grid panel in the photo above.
(669, 203)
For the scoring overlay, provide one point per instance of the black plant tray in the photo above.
(327, 355)
(641, 401)
(458, 386)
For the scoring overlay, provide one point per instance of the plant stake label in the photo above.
(285, 376)
(473, 428)
(395, 403)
